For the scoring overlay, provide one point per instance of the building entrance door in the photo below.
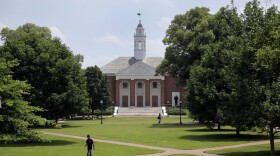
(140, 101)
(125, 101)
(155, 101)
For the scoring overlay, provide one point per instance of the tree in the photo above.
(239, 77)
(207, 93)
(268, 64)
(185, 38)
(97, 87)
(57, 81)
(16, 115)
(263, 39)
(233, 77)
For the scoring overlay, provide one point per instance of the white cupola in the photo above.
(140, 41)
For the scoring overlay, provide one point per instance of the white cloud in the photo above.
(269, 3)
(57, 33)
(155, 47)
(163, 3)
(2, 25)
(100, 61)
(167, 3)
(136, 1)
(112, 39)
(164, 22)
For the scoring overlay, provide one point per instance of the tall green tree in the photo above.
(207, 93)
(186, 39)
(16, 115)
(97, 87)
(268, 69)
(233, 77)
(262, 36)
(268, 62)
(57, 81)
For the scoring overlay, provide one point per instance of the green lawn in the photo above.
(145, 130)
(259, 150)
(61, 146)
(183, 155)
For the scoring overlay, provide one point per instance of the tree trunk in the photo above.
(92, 110)
(237, 131)
(219, 126)
(56, 119)
(271, 137)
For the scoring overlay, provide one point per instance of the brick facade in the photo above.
(140, 68)
(167, 86)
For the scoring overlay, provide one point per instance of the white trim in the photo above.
(155, 92)
(124, 92)
(145, 77)
(143, 94)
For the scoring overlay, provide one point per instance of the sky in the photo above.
(102, 30)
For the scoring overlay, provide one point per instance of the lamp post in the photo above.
(101, 104)
(181, 112)
(0, 102)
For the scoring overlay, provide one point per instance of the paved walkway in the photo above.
(167, 151)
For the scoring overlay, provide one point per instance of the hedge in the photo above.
(175, 111)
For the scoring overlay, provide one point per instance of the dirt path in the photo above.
(167, 151)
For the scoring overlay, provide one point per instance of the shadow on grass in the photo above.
(224, 137)
(63, 126)
(257, 153)
(174, 125)
(52, 143)
(211, 130)
(69, 126)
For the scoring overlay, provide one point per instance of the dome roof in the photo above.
(139, 25)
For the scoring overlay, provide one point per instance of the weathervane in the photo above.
(139, 14)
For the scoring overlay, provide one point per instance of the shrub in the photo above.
(28, 136)
(57, 126)
(50, 123)
(84, 117)
(175, 111)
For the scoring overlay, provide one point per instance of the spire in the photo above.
(140, 41)
(139, 14)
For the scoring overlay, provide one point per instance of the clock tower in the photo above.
(140, 41)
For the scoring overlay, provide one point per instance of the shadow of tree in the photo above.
(224, 137)
(257, 153)
(70, 126)
(174, 125)
(211, 130)
(52, 143)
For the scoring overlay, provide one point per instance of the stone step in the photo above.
(138, 111)
(137, 114)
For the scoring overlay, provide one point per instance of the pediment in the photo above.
(137, 69)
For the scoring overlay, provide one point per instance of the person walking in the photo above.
(159, 118)
(90, 145)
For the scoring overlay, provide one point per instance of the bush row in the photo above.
(175, 111)
(96, 114)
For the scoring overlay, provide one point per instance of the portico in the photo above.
(133, 81)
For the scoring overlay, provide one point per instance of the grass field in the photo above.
(145, 130)
(141, 130)
(61, 146)
(259, 150)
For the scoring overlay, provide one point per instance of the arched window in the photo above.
(155, 85)
(125, 85)
(139, 45)
(140, 85)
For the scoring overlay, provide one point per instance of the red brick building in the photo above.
(132, 80)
